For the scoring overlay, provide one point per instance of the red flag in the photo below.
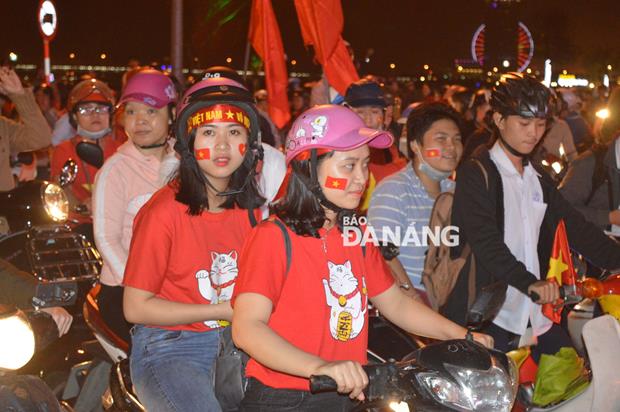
(265, 37)
(202, 154)
(432, 152)
(321, 23)
(335, 183)
(561, 270)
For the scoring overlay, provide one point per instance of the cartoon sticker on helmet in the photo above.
(170, 92)
(319, 127)
(300, 133)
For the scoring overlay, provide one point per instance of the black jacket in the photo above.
(478, 212)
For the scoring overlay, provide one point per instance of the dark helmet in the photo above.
(364, 93)
(521, 95)
(223, 71)
(212, 91)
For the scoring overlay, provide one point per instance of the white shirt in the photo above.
(524, 210)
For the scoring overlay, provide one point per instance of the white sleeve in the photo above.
(109, 208)
(274, 169)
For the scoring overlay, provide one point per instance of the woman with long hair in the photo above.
(301, 300)
(187, 240)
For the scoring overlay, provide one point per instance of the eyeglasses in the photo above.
(90, 110)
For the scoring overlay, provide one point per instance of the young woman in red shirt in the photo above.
(306, 314)
(187, 240)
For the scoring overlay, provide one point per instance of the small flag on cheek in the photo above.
(335, 183)
(242, 148)
(432, 152)
(202, 154)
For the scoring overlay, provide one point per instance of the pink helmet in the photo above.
(332, 127)
(150, 87)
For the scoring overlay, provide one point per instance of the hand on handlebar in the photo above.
(544, 292)
(349, 376)
(62, 318)
(483, 339)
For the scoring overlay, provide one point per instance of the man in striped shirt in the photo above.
(403, 201)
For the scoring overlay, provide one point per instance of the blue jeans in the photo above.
(262, 398)
(173, 370)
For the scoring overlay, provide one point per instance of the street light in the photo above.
(293, 62)
(392, 66)
(459, 68)
(426, 67)
(13, 56)
(229, 60)
(609, 67)
(495, 69)
(72, 55)
(506, 63)
(528, 70)
(422, 78)
(103, 56)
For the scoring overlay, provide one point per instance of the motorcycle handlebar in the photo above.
(376, 373)
(536, 297)
(322, 383)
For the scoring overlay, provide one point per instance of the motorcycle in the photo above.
(36, 234)
(459, 374)
(595, 337)
(433, 377)
(24, 334)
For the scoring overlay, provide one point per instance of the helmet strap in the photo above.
(315, 187)
(525, 158)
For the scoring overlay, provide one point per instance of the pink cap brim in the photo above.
(377, 139)
(143, 98)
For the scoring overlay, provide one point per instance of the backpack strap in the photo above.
(287, 243)
(252, 217)
(483, 170)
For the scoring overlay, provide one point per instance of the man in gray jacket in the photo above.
(592, 185)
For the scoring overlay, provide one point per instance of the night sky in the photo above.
(580, 35)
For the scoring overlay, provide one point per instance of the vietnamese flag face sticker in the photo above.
(202, 154)
(242, 148)
(432, 153)
(335, 183)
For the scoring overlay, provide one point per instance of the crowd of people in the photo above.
(207, 215)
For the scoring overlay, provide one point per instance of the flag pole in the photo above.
(246, 59)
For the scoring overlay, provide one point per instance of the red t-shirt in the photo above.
(184, 258)
(82, 186)
(321, 307)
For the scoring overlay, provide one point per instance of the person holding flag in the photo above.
(508, 212)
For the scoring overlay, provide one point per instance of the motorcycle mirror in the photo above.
(488, 303)
(68, 173)
(580, 265)
(25, 158)
(91, 153)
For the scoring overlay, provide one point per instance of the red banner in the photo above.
(265, 37)
(321, 23)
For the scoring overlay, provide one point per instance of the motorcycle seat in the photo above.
(95, 322)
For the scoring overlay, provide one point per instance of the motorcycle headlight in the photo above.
(492, 390)
(55, 202)
(17, 342)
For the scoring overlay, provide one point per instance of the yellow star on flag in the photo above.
(335, 184)
(556, 268)
(230, 115)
